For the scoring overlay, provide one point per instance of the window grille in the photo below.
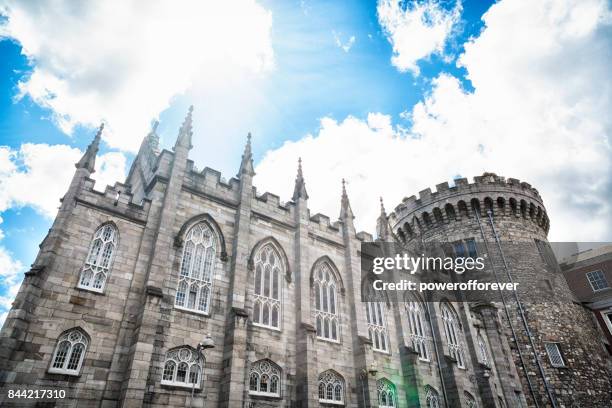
(267, 291)
(99, 259)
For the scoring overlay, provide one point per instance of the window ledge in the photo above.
(90, 290)
(330, 402)
(197, 312)
(328, 340)
(178, 385)
(276, 329)
(264, 395)
(64, 372)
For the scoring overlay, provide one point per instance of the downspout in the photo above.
(522, 314)
(503, 299)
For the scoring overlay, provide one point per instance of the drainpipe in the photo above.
(503, 299)
(551, 397)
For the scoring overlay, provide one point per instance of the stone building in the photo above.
(129, 281)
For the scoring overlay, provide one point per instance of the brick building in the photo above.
(129, 281)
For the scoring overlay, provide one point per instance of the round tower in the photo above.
(508, 221)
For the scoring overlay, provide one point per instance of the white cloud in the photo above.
(416, 29)
(539, 112)
(38, 175)
(123, 62)
(343, 45)
(10, 279)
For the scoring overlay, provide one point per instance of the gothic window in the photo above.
(554, 354)
(326, 303)
(69, 353)
(197, 269)
(482, 350)
(265, 379)
(377, 327)
(267, 302)
(386, 394)
(452, 332)
(182, 368)
(432, 399)
(470, 402)
(416, 326)
(331, 388)
(99, 259)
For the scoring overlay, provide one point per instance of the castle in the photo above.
(135, 289)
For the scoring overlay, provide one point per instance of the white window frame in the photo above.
(197, 268)
(332, 379)
(377, 326)
(432, 398)
(386, 388)
(453, 333)
(470, 401)
(73, 337)
(553, 347)
(99, 263)
(483, 351)
(597, 277)
(270, 369)
(417, 329)
(183, 355)
(324, 285)
(276, 273)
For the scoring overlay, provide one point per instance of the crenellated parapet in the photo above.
(116, 200)
(502, 197)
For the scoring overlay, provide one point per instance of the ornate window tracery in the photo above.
(331, 388)
(432, 399)
(482, 350)
(182, 368)
(377, 327)
(452, 333)
(265, 379)
(326, 303)
(99, 259)
(386, 394)
(416, 325)
(197, 269)
(69, 353)
(267, 304)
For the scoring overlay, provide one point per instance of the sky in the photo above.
(393, 96)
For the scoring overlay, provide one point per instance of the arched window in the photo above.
(470, 401)
(432, 399)
(265, 378)
(268, 272)
(69, 353)
(331, 388)
(325, 290)
(482, 350)
(377, 327)
(182, 368)
(452, 333)
(386, 394)
(416, 325)
(99, 259)
(197, 269)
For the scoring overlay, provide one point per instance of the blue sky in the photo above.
(395, 97)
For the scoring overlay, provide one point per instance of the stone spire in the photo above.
(345, 206)
(300, 185)
(88, 161)
(153, 137)
(186, 131)
(382, 223)
(246, 165)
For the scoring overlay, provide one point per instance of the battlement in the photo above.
(488, 192)
(117, 199)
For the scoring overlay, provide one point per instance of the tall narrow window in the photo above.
(267, 302)
(470, 401)
(265, 379)
(416, 325)
(197, 269)
(386, 394)
(182, 368)
(432, 399)
(377, 327)
(331, 388)
(452, 333)
(326, 303)
(69, 353)
(99, 259)
(554, 354)
(482, 350)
